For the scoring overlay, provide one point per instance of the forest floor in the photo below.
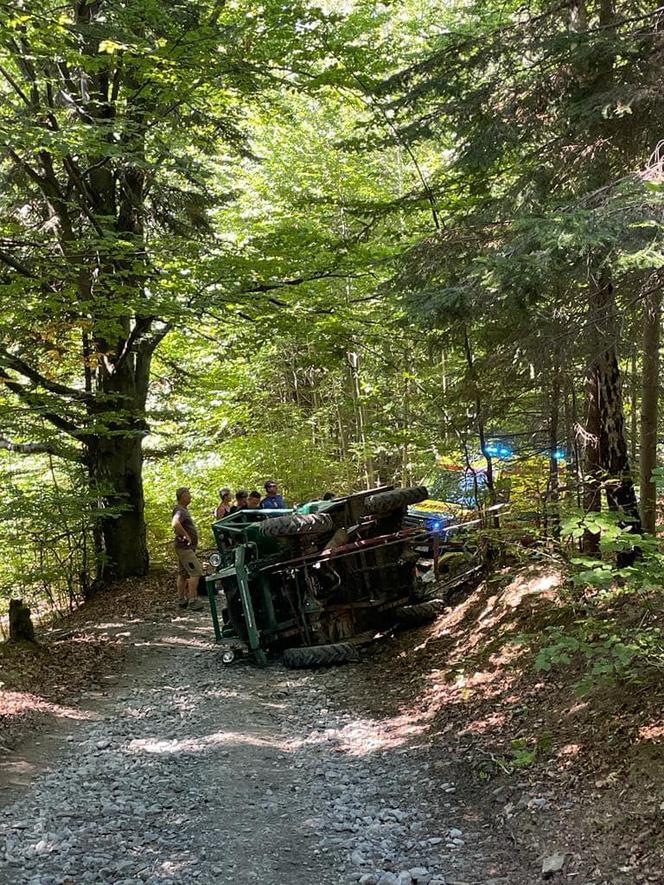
(131, 754)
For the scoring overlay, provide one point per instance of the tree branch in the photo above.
(40, 448)
(17, 265)
(297, 281)
(27, 168)
(31, 399)
(167, 451)
(158, 337)
(141, 326)
(15, 86)
(13, 362)
(79, 183)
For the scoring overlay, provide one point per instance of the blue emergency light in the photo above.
(435, 525)
(498, 451)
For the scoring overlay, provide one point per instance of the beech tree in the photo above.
(109, 114)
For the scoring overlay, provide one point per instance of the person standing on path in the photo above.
(272, 500)
(224, 505)
(186, 542)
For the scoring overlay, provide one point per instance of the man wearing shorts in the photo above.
(186, 542)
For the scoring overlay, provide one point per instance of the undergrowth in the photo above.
(614, 632)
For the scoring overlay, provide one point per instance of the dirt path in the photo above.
(183, 774)
(401, 768)
(190, 771)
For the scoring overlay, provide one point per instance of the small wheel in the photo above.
(420, 612)
(320, 655)
(228, 656)
(384, 502)
(297, 524)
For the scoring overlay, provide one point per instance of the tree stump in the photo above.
(20, 623)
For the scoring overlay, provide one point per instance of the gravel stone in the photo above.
(195, 772)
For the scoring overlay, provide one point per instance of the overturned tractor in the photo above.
(316, 581)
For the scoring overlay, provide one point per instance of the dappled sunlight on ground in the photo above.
(115, 625)
(361, 737)
(481, 726)
(508, 655)
(468, 689)
(81, 650)
(479, 665)
(165, 746)
(17, 703)
(653, 732)
(499, 611)
(467, 677)
(173, 868)
(174, 641)
(581, 707)
(515, 742)
(482, 685)
(544, 584)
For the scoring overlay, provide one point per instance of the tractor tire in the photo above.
(384, 502)
(420, 612)
(320, 655)
(293, 524)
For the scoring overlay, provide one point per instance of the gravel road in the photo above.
(192, 772)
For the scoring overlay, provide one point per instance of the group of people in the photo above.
(249, 500)
(190, 569)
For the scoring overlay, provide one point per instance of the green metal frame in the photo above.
(249, 558)
(238, 571)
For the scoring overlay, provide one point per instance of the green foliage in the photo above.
(605, 653)
(46, 535)
(322, 243)
(616, 538)
(599, 643)
(240, 462)
(524, 752)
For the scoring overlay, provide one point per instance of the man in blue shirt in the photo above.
(272, 501)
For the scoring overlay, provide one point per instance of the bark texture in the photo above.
(606, 455)
(652, 308)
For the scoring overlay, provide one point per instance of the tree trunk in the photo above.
(481, 432)
(95, 201)
(115, 462)
(20, 623)
(606, 458)
(553, 492)
(360, 419)
(571, 467)
(443, 368)
(405, 449)
(116, 465)
(592, 472)
(575, 445)
(649, 396)
(620, 493)
(634, 407)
